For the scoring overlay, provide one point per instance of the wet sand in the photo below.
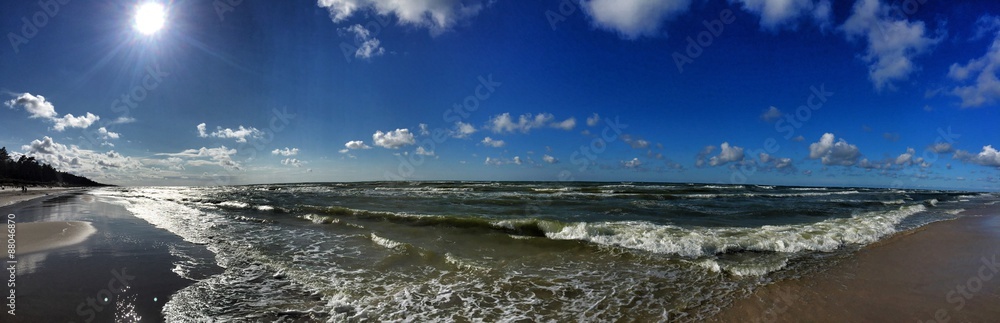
(82, 260)
(945, 271)
(13, 195)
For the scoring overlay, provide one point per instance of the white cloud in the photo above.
(356, 144)
(423, 152)
(70, 158)
(435, 15)
(982, 72)
(727, 154)
(985, 26)
(517, 160)
(423, 129)
(38, 107)
(393, 139)
(777, 13)
(776, 162)
(369, 46)
(69, 121)
(240, 134)
(987, 157)
(567, 124)
(891, 44)
(504, 123)
(220, 156)
(771, 114)
(593, 120)
(834, 153)
(285, 152)
(632, 19)
(105, 134)
(291, 162)
(635, 143)
(493, 143)
(941, 148)
(906, 158)
(549, 159)
(122, 120)
(463, 130)
(635, 162)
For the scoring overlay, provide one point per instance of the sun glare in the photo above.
(150, 18)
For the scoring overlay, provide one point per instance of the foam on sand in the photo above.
(35, 237)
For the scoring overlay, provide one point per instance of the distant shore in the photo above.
(944, 271)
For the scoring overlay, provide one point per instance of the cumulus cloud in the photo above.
(777, 13)
(291, 162)
(463, 130)
(240, 134)
(423, 129)
(549, 159)
(285, 152)
(39, 107)
(987, 157)
(73, 159)
(356, 144)
(635, 143)
(832, 152)
(635, 162)
(906, 158)
(423, 152)
(393, 139)
(593, 120)
(368, 45)
(436, 15)
(892, 43)
(632, 19)
(493, 143)
(567, 124)
(500, 161)
(778, 163)
(203, 156)
(941, 148)
(771, 114)
(727, 154)
(105, 134)
(504, 123)
(980, 78)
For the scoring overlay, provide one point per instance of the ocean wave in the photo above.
(824, 236)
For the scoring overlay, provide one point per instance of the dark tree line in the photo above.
(27, 170)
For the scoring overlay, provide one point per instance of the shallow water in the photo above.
(510, 251)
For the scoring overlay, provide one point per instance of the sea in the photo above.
(509, 251)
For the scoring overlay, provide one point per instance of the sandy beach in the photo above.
(945, 271)
(12, 195)
(81, 260)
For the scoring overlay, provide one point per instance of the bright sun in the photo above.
(150, 18)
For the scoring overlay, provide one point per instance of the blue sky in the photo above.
(802, 92)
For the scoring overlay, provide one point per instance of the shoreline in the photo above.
(13, 195)
(943, 271)
(82, 259)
